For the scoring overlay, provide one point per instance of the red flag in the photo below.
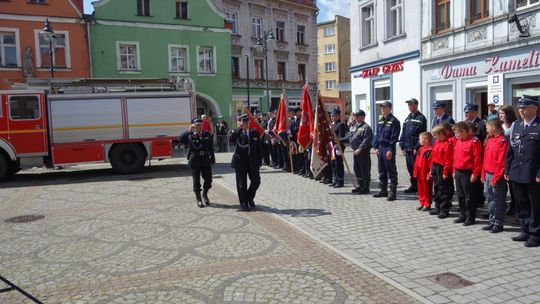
(282, 121)
(322, 136)
(253, 123)
(306, 123)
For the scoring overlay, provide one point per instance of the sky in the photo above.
(327, 9)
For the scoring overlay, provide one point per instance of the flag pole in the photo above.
(338, 141)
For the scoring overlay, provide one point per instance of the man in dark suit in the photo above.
(439, 109)
(201, 158)
(522, 169)
(246, 160)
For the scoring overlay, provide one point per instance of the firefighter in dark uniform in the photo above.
(414, 124)
(471, 115)
(440, 116)
(388, 129)
(340, 131)
(265, 141)
(246, 161)
(274, 145)
(522, 169)
(201, 158)
(360, 138)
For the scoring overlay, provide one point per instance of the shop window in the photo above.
(24, 107)
(382, 93)
(478, 10)
(235, 67)
(395, 18)
(181, 10)
(143, 7)
(526, 3)
(280, 31)
(442, 15)
(368, 24)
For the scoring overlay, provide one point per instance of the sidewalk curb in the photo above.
(379, 275)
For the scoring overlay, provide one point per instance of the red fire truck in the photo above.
(123, 128)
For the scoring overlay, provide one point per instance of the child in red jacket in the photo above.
(467, 170)
(422, 166)
(441, 171)
(492, 175)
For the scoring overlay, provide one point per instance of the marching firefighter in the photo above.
(201, 158)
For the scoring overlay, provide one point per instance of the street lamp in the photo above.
(262, 43)
(48, 34)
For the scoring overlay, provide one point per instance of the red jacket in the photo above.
(494, 157)
(443, 154)
(422, 164)
(468, 155)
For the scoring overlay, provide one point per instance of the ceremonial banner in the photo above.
(253, 123)
(322, 136)
(306, 123)
(282, 121)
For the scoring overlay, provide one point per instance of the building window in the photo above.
(178, 59)
(329, 66)
(259, 69)
(256, 28)
(143, 7)
(281, 70)
(329, 31)
(235, 67)
(526, 3)
(302, 72)
(8, 50)
(181, 10)
(128, 56)
(478, 10)
(395, 18)
(206, 60)
(232, 18)
(330, 84)
(300, 34)
(280, 31)
(59, 51)
(329, 48)
(442, 15)
(368, 25)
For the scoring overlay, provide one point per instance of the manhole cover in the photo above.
(450, 280)
(25, 218)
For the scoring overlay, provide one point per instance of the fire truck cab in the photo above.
(123, 128)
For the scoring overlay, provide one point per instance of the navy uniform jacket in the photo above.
(413, 125)
(247, 154)
(200, 148)
(340, 130)
(294, 125)
(480, 129)
(523, 154)
(388, 129)
(444, 118)
(360, 136)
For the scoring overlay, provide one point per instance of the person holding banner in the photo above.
(340, 129)
(246, 161)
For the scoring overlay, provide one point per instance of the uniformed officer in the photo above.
(387, 136)
(246, 161)
(471, 115)
(340, 131)
(414, 124)
(201, 158)
(522, 169)
(439, 109)
(265, 141)
(360, 137)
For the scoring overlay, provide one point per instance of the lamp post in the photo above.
(48, 34)
(262, 43)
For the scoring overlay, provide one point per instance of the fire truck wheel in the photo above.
(127, 158)
(4, 166)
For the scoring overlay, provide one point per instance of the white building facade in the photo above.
(479, 51)
(385, 54)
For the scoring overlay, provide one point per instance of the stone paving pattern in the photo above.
(404, 246)
(110, 238)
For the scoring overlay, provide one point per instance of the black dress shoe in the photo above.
(338, 186)
(200, 204)
(522, 237)
(459, 220)
(442, 215)
(251, 204)
(496, 229)
(488, 227)
(434, 212)
(355, 190)
(244, 206)
(469, 222)
(532, 242)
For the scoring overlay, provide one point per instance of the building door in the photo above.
(381, 92)
(478, 96)
(27, 125)
(518, 90)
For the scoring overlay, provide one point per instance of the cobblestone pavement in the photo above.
(402, 246)
(141, 239)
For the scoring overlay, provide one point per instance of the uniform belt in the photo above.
(201, 153)
(464, 170)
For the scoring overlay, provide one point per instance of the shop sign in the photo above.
(493, 64)
(388, 68)
(495, 88)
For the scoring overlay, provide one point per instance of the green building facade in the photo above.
(183, 40)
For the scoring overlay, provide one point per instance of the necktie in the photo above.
(247, 134)
(438, 121)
